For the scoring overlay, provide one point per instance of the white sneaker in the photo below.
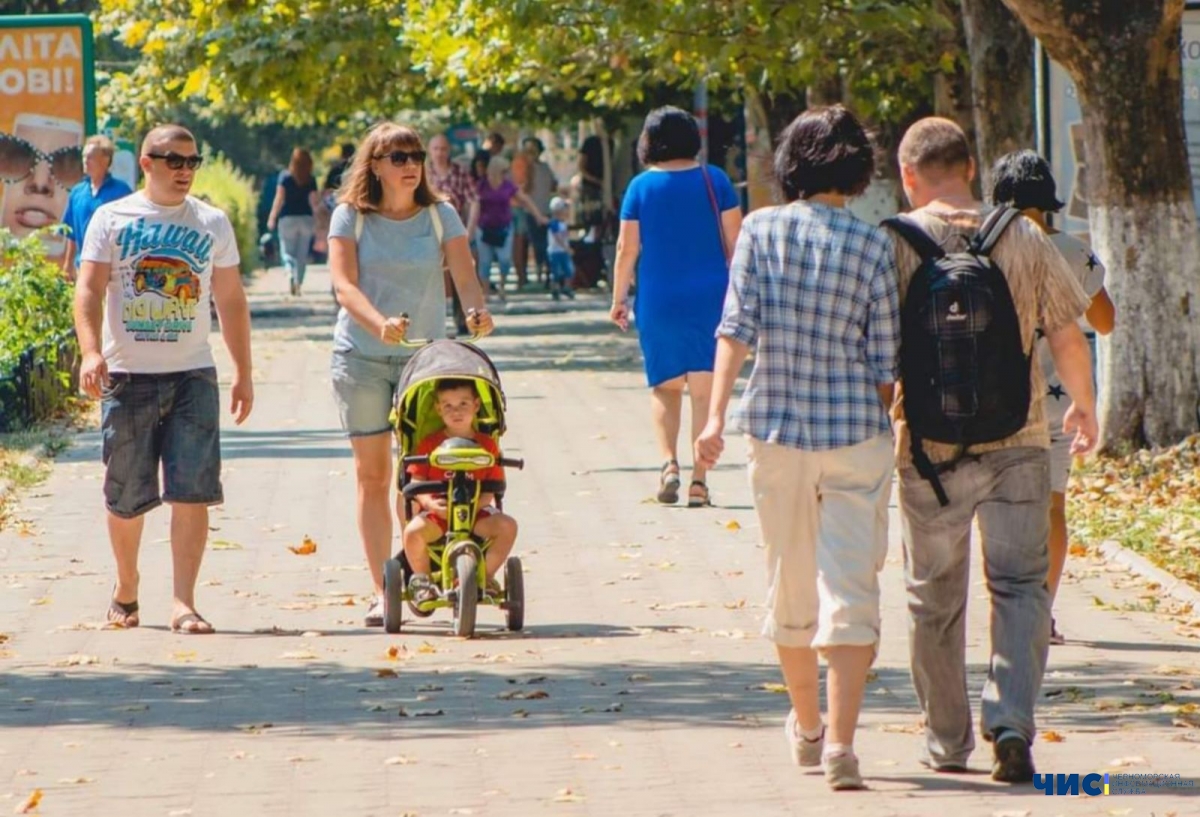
(841, 773)
(804, 752)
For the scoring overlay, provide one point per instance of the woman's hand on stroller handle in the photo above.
(478, 321)
(394, 329)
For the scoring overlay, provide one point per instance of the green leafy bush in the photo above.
(222, 185)
(35, 299)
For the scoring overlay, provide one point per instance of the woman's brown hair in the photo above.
(363, 190)
(301, 166)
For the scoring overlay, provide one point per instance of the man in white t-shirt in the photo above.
(150, 263)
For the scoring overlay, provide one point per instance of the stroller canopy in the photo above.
(443, 360)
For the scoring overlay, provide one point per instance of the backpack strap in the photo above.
(925, 467)
(915, 235)
(992, 228)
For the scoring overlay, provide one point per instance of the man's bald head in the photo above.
(158, 139)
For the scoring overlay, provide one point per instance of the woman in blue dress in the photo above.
(679, 222)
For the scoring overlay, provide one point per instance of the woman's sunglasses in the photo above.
(177, 162)
(399, 158)
(18, 159)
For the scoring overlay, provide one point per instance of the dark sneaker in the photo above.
(1013, 762)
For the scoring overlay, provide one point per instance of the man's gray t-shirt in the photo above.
(400, 271)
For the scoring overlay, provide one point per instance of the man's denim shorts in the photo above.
(365, 389)
(172, 419)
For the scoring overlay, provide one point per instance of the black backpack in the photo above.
(962, 363)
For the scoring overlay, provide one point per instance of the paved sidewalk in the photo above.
(640, 686)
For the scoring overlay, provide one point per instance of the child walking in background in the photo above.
(559, 250)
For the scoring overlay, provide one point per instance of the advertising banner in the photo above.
(47, 108)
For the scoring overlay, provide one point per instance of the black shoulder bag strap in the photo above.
(992, 228)
(921, 241)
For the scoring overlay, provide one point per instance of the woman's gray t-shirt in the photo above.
(400, 271)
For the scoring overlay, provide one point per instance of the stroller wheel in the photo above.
(466, 567)
(514, 593)
(393, 595)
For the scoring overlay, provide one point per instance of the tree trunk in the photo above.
(1142, 219)
(1001, 55)
(952, 89)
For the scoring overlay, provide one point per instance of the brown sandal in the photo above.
(123, 615)
(192, 624)
(668, 483)
(698, 496)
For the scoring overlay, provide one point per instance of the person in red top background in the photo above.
(457, 403)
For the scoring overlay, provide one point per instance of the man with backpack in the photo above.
(972, 439)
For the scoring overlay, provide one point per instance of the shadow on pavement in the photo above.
(292, 444)
(461, 696)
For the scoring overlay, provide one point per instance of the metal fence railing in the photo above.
(39, 382)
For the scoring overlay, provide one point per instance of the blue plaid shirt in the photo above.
(816, 289)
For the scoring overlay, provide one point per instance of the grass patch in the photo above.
(25, 461)
(1147, 501)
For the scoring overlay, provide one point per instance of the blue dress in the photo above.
(681, 275)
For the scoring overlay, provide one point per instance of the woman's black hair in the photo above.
(1023, 179)
(824, 150)
(592, 153)
(669, 133)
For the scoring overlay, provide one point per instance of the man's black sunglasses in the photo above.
(177, 162)
(399, 158)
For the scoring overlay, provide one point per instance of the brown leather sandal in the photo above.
(668, 483)
(698, 496)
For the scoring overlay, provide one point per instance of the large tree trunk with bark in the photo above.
(1125, 60)
(952, 89)
(1001, 55)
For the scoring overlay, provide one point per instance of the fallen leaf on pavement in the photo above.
(255, 728)
(733, 524)
(639, 676)
(520, 713)
(76, 660)
(307, 548)
(735, 605)
(568, 796)
(225, 544)
(426, 648)
(1050, 736)
(524, 695)
(904, 728)
(386, 673)
(300, 759)
(300, 655)
(771, 686)
(399, 760)
(30, 803)
(70, 781)
(678, 605)
(1122, 762)
(1078, 550)
(40, 602)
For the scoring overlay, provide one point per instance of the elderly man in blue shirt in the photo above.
(100, 187)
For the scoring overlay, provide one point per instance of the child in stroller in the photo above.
(449, 417)
(457, 403)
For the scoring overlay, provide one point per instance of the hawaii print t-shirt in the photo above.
(157, 314)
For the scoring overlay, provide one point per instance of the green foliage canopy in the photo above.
(303, 61)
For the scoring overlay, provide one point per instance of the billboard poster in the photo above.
(47, 108)
(1065, 150)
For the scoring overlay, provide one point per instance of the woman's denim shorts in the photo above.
(365, 389)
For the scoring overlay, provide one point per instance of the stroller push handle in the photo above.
(416, 343)
(512, 463)
(416, 459)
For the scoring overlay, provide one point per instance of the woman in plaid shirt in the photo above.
(814, 290)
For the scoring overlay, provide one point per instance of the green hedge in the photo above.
(37, 344)
(35, 300)
(221, 184)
